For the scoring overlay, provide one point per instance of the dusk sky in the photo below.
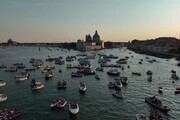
(69, 20)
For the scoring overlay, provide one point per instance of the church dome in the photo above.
(96, 37)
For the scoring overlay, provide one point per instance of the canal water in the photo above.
(97, 103)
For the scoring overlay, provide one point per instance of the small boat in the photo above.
(60, 71)
(122, 61)
(149, 72)
(124, 80)
(141, 117)
(149, 78)
(62, 84)
(73, 108)
(22, 76)
(3, 97)
(36, 85)
(8, 114)
(99, 69)
(173, 71)
(156, 103)
(2, 83)
(113, 72)
(30, 69)
(3, 66)
(59, 103)
(177, 92)
(82, 87)
(136, 73)
(174, 76)
(76, 74)
(160, 90)
(111, 85)
(97, 77)
(11, 69)
(118, 85)
(154, 115)
(118, 94)
(48, 75)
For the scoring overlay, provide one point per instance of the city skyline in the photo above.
(68, 20)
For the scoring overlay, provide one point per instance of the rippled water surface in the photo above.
(97, 103)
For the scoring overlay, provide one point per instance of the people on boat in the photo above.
(156, 101)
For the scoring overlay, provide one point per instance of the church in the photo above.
(90, 43)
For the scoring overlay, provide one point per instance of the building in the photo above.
(90, 43)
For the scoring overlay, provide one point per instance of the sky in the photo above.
(68, 20)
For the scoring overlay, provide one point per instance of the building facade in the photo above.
(90, 43)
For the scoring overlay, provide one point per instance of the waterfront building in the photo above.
(90, 43)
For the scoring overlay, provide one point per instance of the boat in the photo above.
(141, 117)
(124, 80)
(60, 71)
(160, 90)
(9, 114)
(62, 84)
(118, 94)
(48, 75)
(149, 72)
(73, 108)
(3, 97)
(36, 85)
(174, 76)
(22, 76)
(113, 72)
(111, 85)
(82, 87)
(97, 77)
(76, 74)
(3, 66)
(118, 84)
(154, 115)
(11, 69)
(30, 69)
(149, 78)
(136, 73)
(58, 103)
(122, 61)
(99, 69)
(173, 71)
(156, 103)
(2, 83)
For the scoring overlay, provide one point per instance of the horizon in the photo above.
(58, 21)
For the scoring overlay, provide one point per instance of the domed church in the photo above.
(90, 43)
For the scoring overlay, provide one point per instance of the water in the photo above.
(97, 103)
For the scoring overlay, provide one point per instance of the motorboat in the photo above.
(118, 94)
(124, 80)
(150, 78)
(22, 76)
(111, 85)
(62, 84)
(99, 69)
(11, 69)
(48, 75)
(174, 76)
(113, 72)
(82, 87)
(58, 103)
(97, 77)
(73, 108)
(136, 73)
(118, 84)
(177, 91)
(141, 117)
(122, 61)
(76, 74)
(9, 114)
(149, 72)
(2, 83)
(3, 97)
(160, 90)
(36, 85)
(156, 103)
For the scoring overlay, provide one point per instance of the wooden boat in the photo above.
(156, 103)
(59, 103)
(73, 108)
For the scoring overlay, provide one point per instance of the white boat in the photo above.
(61, 104)
(2, 83)
(36, 86)
(21, 78)
(3, 97)
(118, 94)
(82, 87)
(48, 75)
(74, 108)
(141, 117)
(118, 85)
